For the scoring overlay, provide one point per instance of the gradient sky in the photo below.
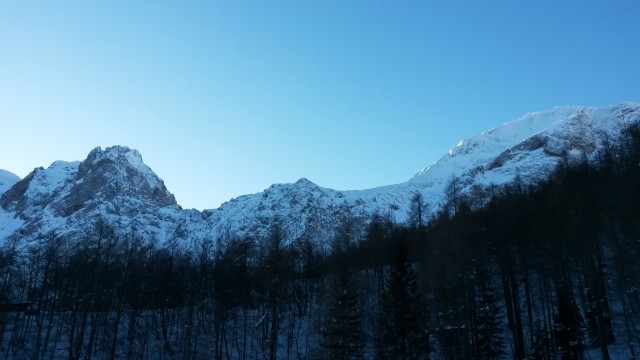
(226, 98)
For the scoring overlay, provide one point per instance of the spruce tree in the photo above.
(488, 330)
(403, 314)
(342, 332)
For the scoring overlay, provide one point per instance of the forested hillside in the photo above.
(545, 271)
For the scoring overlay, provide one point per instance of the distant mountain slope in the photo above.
(7, 180)
(115, 188)
(529, 147)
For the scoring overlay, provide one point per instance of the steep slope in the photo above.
(7, 180)
(529, 147)
(7, 223)
(113, 187)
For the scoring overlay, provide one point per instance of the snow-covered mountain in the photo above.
(7, 180)
(113, 187)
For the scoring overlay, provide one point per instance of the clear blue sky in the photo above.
(226, 98)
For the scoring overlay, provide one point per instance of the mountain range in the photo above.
(114, 187)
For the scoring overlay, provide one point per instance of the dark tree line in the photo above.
(535, 273)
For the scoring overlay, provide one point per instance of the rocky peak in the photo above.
(116, 176)
(305, 182)
(116, 171)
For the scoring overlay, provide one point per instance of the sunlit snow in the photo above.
(134, 201)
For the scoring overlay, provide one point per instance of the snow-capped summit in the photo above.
(114, 187)
(118, 171)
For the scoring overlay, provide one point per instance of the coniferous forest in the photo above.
(544, 271)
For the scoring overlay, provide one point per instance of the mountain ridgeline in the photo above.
(115, 188)
(521, 242)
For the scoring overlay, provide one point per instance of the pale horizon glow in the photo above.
(224, 99)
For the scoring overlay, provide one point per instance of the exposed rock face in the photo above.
(39, 189)
(113, 187)
(115, 172)
(10, 198)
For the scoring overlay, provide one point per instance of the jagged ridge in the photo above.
(115, 187)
